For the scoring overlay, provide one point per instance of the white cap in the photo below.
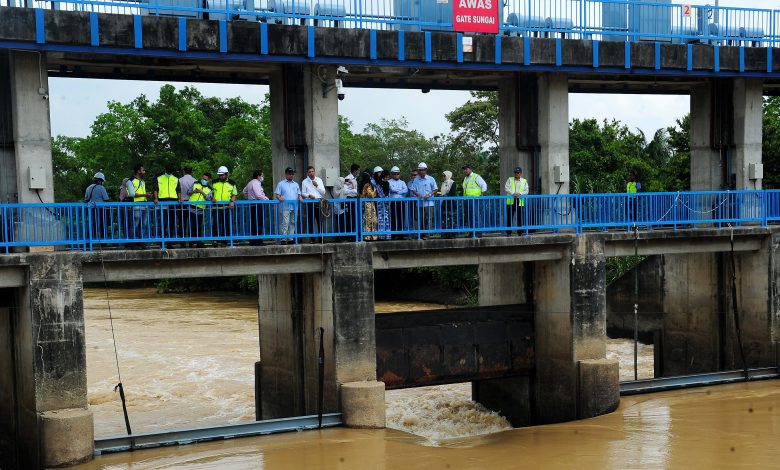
(378, 169)
(395, 169)
(100, 176)
(222, 170)
(422, 166)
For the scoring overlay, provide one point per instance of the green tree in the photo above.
(771, 142)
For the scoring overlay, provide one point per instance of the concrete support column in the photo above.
(726, 133)
(534, 129)
(748, 130)
(553, 132)
(518, 139)
(292, 309)
(53, 422)
(304, 117)
(706, 162)
(570, 329)
(25, 131)
(692, 312)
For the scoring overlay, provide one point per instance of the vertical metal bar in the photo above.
(558, 52)
(310, 38)
(716, 53)
(372, 44)
(498, 49)
(595, 53)
(40, 28)
(627, 55)
(94, 32)
(459, 46)
(183, 33)
(401, 46)
(223, 39)
(138, 32)
(428, 52)
(526, 51)
(264, 38)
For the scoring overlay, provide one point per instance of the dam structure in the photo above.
(536, 350)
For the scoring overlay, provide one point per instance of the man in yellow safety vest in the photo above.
(632, 187)
(473, 186)
(224, 190)
(516, 187)
(136, 191)
(168, 191)
(200, 192)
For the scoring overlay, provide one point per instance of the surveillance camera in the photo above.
(340, 89)
(46, 97)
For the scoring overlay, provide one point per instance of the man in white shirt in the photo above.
(312, 190)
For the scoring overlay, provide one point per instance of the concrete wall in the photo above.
(502, 284)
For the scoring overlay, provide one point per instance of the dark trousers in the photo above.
(311, 214)
(515, 216)
(397, 217)
(256, 222)
(170, 219)
(350, 215)
(99, 217)
(221, 223)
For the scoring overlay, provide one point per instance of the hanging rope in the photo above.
(735, 307)
(116, 354)
(636, 304)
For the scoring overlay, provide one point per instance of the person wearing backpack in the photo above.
(94, 194)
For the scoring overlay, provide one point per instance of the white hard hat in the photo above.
(100, 176)
(422, 166)
(378, 169)
(222, 170)
(395, 169)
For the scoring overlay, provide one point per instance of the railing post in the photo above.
(162, 226)
(358, 220)
(88, 234)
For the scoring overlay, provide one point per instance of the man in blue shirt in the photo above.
(423, 187)
(288, 193)
(398, 189)
(95, 193)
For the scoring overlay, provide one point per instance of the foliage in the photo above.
(461, 278)
(771, 142)
(180, 128)
(247, 284)
(617, 266)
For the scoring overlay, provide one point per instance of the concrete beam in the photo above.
(413, 259)
(682, 246)
(748, 130)
(195, 268)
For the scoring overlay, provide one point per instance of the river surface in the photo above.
(187, 360)
(728, 427)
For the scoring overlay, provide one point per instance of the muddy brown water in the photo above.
(187, 360)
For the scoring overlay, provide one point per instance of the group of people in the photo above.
(380, 219)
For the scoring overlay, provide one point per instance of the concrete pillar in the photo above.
(25, 131)
(554, 132)
(352, 280)
(692, 313)
(748, 130)
(292, 309)
(534, 129)
(518, 130)
(726, 133)
(304, 117)
(570, 326)
(706, 162)
(45, 330)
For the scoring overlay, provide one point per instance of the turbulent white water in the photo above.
(188, 360)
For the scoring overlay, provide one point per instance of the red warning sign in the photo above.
(475, 16)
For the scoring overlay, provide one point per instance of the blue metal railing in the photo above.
(83, 226)
(618, 20)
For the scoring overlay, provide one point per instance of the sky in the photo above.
(76, 102)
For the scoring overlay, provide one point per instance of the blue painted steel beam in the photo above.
(459, 47)
(498, 49)
(690, 57)
(94, 30)
(526, 51)
(310, 42)
(40, 28)
(182, 33)
(372, 44)
(223, 39)
(716, 55)
(558, 52)
(658, 56)
(264, 38)
(401, 46)
(506, 67)
(428, 51)
(769, 59)
(138, 32)
(596, 54)
(627, 55)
